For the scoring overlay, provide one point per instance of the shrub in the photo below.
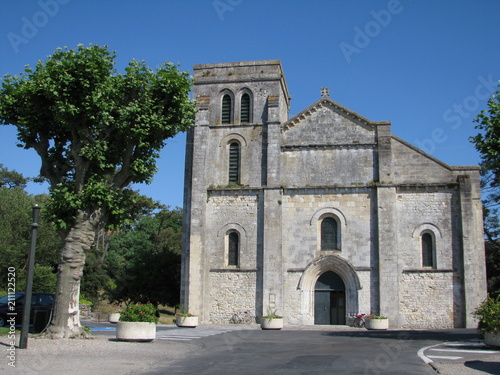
(488, 314)
(140, 313)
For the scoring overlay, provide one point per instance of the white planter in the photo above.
(186, 321)
(376, 323)
(274, 323)
(135, 331)
(114, 317)
(492, 339)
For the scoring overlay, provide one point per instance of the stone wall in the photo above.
(412, 165)
(327, 148)
(422, 210)
(302, 211)
(232, 210)
(293, 310)
(426, 300)
(231, 293)
(250, 140)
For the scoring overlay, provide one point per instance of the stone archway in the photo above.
(311, 274)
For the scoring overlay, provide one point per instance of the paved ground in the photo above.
(240, 349)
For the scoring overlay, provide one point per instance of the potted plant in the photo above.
(137, 323)
(186, 319)
(373, 321)
(114, 317)
(488, 314)
(271, 320)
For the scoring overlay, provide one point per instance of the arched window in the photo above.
(234, 163)
(233, 248)
(227, 106)
(245, 108)
(329, 234)
(428, 250)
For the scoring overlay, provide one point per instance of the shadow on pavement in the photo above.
(486, 367)
(444, 335)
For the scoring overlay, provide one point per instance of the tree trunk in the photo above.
(66, 318)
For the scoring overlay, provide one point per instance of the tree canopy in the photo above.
(487, 142)
(15, 216)
(96, 132)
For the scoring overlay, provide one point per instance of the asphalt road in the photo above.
(235, 350)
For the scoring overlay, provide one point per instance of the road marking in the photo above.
(173, 338)
(427, 358)
(98, 329)
(466, 351)
(444, 357)
(186, 335)
(423, 356)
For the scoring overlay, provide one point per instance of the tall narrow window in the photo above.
(233, 249)
(329, 234)
(234, 163)
(428, 250)
(245, 109)
(226, 109)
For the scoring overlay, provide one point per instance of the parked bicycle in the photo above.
(359, 321)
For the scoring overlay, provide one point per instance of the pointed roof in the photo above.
(327, 102)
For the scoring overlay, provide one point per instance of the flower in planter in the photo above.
(146, 312)
(187, 314)
(183, 313)
(373, 316)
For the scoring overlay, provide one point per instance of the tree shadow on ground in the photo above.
(486, 367)
(460, 334)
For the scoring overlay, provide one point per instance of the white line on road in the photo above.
(174, 338)
(423, 356)
(444, 357)
(466, 351)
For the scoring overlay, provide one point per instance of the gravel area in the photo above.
(100, 355)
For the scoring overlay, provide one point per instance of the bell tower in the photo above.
(232, 156)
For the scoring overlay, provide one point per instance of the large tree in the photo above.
(487, 142)
(96, 131)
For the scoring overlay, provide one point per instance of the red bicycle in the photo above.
(359, 321)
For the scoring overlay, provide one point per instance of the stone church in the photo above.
(323, 215)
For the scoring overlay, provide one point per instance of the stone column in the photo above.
(388, 253)
(272, 263)
(474, 266)
(193, 238)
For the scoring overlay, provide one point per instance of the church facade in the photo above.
(323, 215)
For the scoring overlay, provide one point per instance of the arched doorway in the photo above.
(329, 300)
(312, 273)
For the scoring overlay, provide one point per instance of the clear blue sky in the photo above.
(428, 66)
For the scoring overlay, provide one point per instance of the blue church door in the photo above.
(329, 300)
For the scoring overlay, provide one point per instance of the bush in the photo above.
(488, 314)
(140, 313)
